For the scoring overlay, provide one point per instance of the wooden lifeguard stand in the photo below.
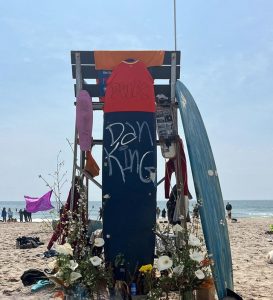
(83, 69)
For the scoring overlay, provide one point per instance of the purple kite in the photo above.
(84, 120)
(38, 204)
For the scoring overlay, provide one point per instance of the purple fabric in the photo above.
(39, 204)
(84, 120)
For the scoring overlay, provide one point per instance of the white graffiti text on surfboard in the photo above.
(127, 159)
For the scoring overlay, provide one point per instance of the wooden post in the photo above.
(78, 88)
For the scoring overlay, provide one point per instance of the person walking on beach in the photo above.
(4, 214)
(100, 213)
(163, 213)
(21, 215)
(157, 212)
(195, 211)
(29, 217)
(61, 210)
(10, 215)
(170, 208)
(228, 209)
(25, 215)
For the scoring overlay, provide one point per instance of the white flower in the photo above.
(53, 264)
(199, 274)
(74, 276)
(96, 261)
(73, 265)
(177, 228)
(197, 256)
(65, 249)
(59, 274)
(194, 241)
(178, 270)
(99, 242)
(164, 263)
(98, 232)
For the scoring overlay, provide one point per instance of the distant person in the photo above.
(228, 209)
(29, 217)
(100, 213)
(61, 210)
(10, 215)
(171, 203)
(21, 215)
(195, 211)
(163, 213)
(25, 215)
(4, 214)
(157, 212)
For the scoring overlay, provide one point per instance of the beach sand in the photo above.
(249, 243)
(13, 262)
(253, 276)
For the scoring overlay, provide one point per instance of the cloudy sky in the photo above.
(227, 63)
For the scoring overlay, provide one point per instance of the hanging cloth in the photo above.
(84, 119)
(61, 231)
(108, 60)
(130, 88)
(170, 168)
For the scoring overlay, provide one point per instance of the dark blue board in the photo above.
(129, 187)
(208, 190)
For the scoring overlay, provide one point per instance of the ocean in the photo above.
(240, 209)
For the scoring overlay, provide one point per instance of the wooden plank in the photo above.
(97, 105)
(163, 72)
(87, 57)
(93, 89)
(100, 142)
(159, 72)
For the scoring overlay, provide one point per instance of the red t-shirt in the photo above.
(130, 88)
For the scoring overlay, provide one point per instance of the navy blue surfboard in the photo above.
(129, 187)
(208, 190)
(129, 167)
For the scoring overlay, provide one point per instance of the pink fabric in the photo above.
(38, 204)
(84, 120)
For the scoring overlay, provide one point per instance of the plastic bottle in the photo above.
(133, 289)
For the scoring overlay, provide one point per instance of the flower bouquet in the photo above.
(79, 268)
(182, 265)
(85, 277)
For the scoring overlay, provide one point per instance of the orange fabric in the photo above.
(91, 166)
(107, 60)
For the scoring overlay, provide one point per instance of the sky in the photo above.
(226, 63)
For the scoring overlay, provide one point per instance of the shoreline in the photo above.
(249, 245)
(40, 220)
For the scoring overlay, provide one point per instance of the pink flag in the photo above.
(39, 204)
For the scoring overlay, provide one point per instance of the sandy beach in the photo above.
(249, 243)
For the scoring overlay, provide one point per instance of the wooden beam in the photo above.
(93, 89)
(159, 72)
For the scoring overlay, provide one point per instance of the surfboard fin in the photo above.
(233, 295)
